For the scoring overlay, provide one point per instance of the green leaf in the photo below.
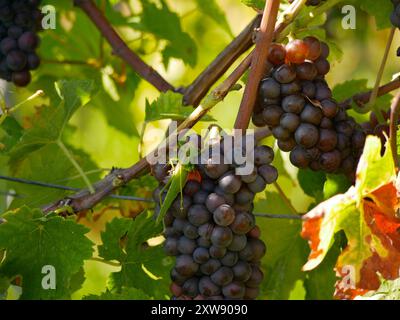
(258, 4)
(33, 241)
(312, 183)
(381, 10)
(169, 106)
(4, 285)
(214, 11)
(112, 246)
(116, 104)
(142, 266)
(287, 251)
(52, 121)
(165, 25)
(335, 183)
(349, 88)
(374, 170)
(320, 282)
(48, 164)
(125, 294)
(10, 132)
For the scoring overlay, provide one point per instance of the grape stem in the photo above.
(258, 63)
(207, 78)
(372, 101)
(65, 188)
(198, 89)
(78, 168)
(6, 112)
(120, 48)
(285, 198)
(394, 116)
(361, 99)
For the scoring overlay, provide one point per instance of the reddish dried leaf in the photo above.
(367, 215)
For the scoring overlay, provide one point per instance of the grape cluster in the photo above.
(395, 17)
(211, 230)
(296, 102)
(311, 2)
(19, 22)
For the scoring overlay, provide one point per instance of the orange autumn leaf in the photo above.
(367, 215)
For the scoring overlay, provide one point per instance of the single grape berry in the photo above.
(293, 104)
(190, 287)
(234, 290)
(210, 266)
(198, 215)
(290, 122)
(285, 74)
(293, 87)
(222, 276)
(311, 114)
(230, 183)
(297, 51)
(221, 236)
(306, 135)
(208, 288)
(186, 266)
(299, 157)
(327, 140)
(272, 115)
(224, 215)
(314, 47)
(307, 71)
(201, 255)
(33, 61)
(21, 78)
(268, 173)
(277, 54)
(230, 259)
(213, 201)
(185, 245)
(243, 223)
(270, 89)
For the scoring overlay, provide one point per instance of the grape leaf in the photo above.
(169, 106)
(214, 11)
(258, 4)
(33, 241)
(335, 183)
(12, 132)
(346, 90)
(165, 25)
(381, 10)
(48, 164)
(4, 285)
(125, 294)
(367, 215)
(349, 88)
(117, 106)
(143, 267)
(312, 183)
(286, 250)
(52, 121)
(388, 290)
(320, 282)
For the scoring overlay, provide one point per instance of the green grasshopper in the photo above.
(175, 186)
